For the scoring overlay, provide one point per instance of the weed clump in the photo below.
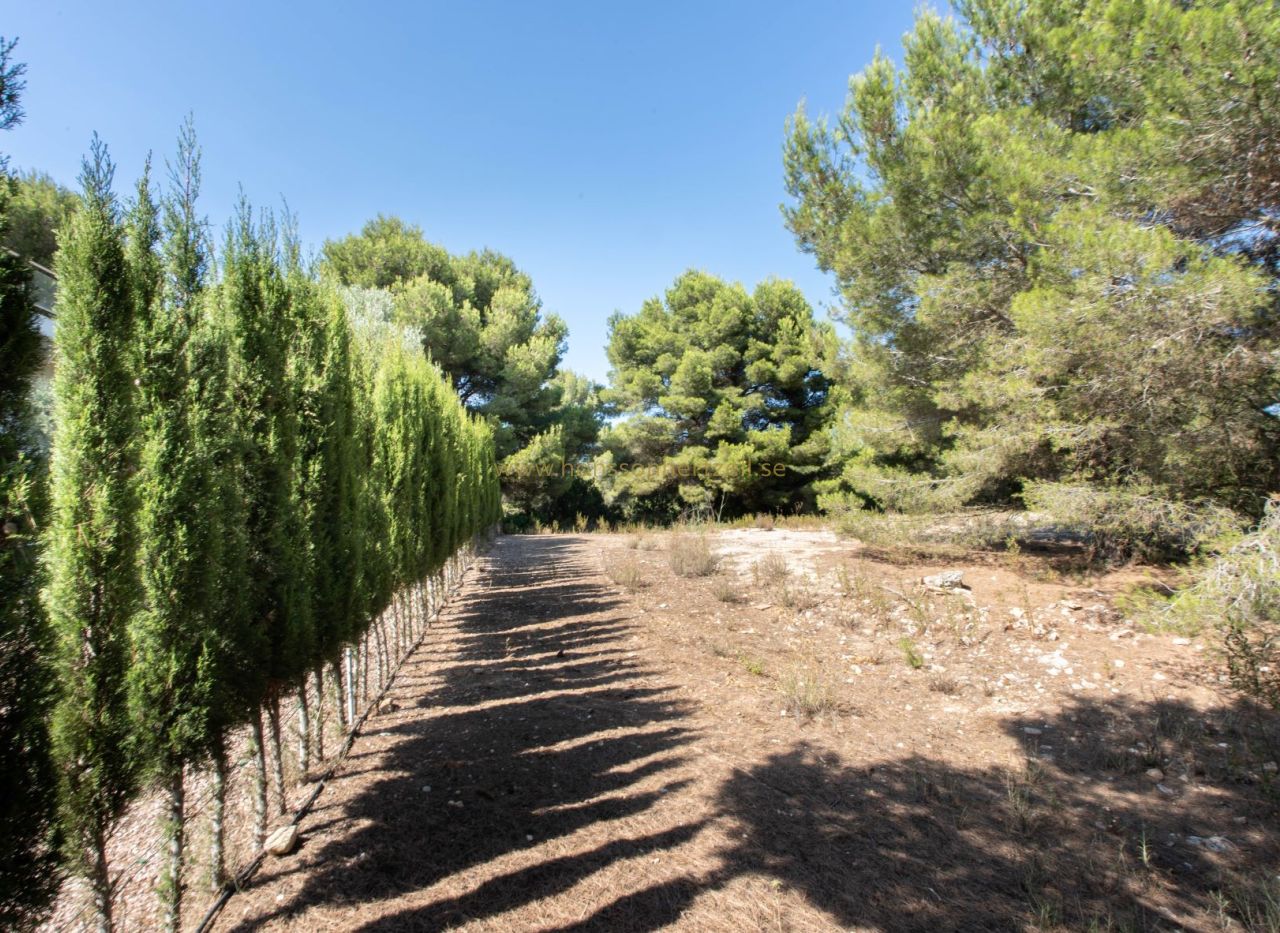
(691, 556)
(627, 573)
(806, 694)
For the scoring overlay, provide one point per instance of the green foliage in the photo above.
(91, 544)
(477, 316)
(725, 395)
(38, 209)
(181, 639)
(1122, 522)
(1046, 276)
(257, 319)
(328, 466)
(26, 775)
(12, 84)
(386, 252)
(1238, 592)
(243, 478)
(910, 652)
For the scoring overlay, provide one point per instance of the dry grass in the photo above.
(628, 573)
(770, 569)
(686, 729)
(807, 694)
(797, 594)
(947, 686)
(691, 556)
(726, 589)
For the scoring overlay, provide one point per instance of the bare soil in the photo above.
(811, 740)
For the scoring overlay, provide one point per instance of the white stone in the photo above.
(283, 841)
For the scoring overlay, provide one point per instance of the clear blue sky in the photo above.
(604, 146)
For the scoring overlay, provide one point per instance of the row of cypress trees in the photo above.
(247, 501)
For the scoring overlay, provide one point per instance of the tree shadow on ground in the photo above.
(545, 724)
(1078, 836)
(538, 728)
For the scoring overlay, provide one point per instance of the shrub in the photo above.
(726, 589)
(1239, 593)
(1123, 522)
(627, 573)
(772, 568)
(691, 556)
(797, 595)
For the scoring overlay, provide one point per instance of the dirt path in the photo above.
(564, 757)
(537, 774)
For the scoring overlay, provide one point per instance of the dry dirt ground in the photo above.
(805, 739)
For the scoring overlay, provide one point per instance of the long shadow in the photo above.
(1080, 837)
(539, 728)
(542, 727)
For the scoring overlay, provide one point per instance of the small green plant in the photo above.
(910, 653)
(1020, 795)
(580, 523)
(691, 556)
(1144, 849)
(753, 666)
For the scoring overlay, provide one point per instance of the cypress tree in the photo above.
(240, 644)
(26, 774)
(92, 589)
(253, 317)
(336, 526)
(177, 643)
(327, 477)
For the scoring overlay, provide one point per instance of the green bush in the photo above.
(1238, 593)
(1126, 522)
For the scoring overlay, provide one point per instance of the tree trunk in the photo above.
(381, 639)
(277, 758)
(339, 675)
(304, 731)
(171, 883)
(100, 881)
(260, 783)
(349, 688)
(318, 676)
(364, 669)
(217, 819)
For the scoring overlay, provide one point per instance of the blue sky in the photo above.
(606, 147)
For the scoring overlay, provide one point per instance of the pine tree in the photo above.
(92, 590)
